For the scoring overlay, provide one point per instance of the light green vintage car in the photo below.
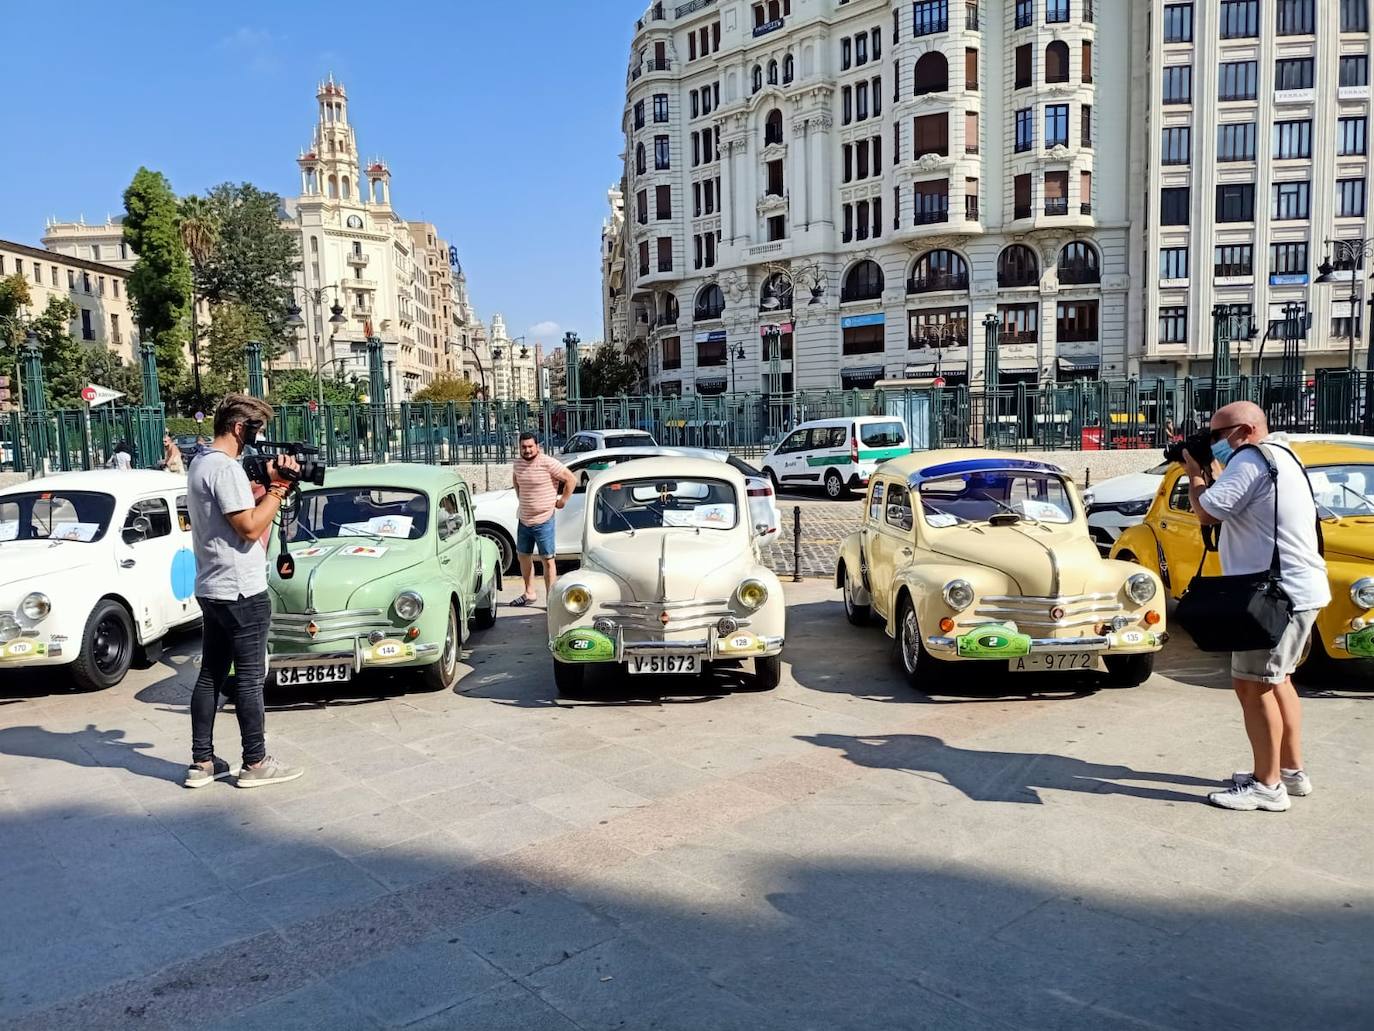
(389, 574)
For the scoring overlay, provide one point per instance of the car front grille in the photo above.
(330, 627)
(1079, 610)
(683, 616)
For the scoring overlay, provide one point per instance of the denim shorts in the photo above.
(1274, 666)
(528, 538)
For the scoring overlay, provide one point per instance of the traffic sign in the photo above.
(200, 416)
(938, 381)
(95, 395)
(88, 394)
(313, 407)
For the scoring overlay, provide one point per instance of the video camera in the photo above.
(312, 469)
(1199, 445)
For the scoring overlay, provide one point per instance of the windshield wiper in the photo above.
(624, 519)
(1357, 495)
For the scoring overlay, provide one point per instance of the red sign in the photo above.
(88, 394)
(313, 406)
(938, 381)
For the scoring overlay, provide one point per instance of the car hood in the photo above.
(1053, 562)
(675, 565)
(337, 578)
(25, 560)
(1132, 487)
(1350, 538)
(493, 496)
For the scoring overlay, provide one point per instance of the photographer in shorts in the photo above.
(1242, 500)
(231, 586)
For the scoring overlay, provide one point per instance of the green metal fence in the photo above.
(63, 440)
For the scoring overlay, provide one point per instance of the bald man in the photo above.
(1242, 500)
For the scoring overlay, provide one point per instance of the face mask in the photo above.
(1222, 451)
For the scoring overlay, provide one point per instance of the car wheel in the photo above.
(443, 675)
(107, 647)
(916, 661)
(858, 615)
(485, 618)
(773, 479)
(834, 486)
(768, 672)
(505, 546)
(1129, 670)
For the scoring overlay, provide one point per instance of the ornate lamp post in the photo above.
(497, 352)
(1349, 256)
(735, 352)
(315, 296)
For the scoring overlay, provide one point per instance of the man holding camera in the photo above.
(1242, 500)
(231, 586)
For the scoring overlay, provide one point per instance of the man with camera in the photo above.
(231, 586)
(1242, 500)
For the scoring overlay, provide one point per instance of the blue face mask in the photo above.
(1222, 451)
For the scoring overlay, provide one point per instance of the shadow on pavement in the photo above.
(89, 747)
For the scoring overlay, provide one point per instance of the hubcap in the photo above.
(450, 656)
(909, 641)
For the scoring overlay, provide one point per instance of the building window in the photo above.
(1056, 193)
(1075, 321)
(1025, 13)
(1025, 129)
(1355, 70)
(639, 124)
(672, 352)
(1239, 19)
(930, 135)
(937, 327)
(1292, 140)
(1056, 11)
(929, 16)
(1020, 323)
(1086, 127)
(930, 201)
(665, 254)
(1056, 125)
(1350, 136)
(660, 107)
(1178, 84)
(1087, 49)
(864, 339)
(1173, 263)
(1343, 326)
(864, 282)
(640, 167)
(1057, 62)
(1079, 264)
(1349, 198)
(87, 329)
(1017, 265)
(661, 161)
(1173, 206)
(1288, 259)
(1290, 201)
(1236, 202)
(642, 207)
(1236, 141)
(1354, 15)
(971, 69)
(1177, 146)
(1173, 325)
(1237, 80)
(663, 202)
(932, 74)
(1293, 74)
(1021, 196)
(1233, 261)
(1178, 23)
(1294, 17)
(1024, 61)
(938, 270)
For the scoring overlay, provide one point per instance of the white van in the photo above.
(836, 454)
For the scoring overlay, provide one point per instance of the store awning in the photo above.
(1072, 362)
(1015, 364)
(867, 372)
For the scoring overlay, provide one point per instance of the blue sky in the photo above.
(500, 121)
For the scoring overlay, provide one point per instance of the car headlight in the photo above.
(752, 594)
(1134, 508)
(1361, 593)
(577, 599)
(409, 605)
(958, 595)
(36, 606)
(1140, 588)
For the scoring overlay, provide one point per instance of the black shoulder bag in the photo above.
(1241, 613)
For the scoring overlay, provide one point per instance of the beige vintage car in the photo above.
(671, 581)
(976, 556)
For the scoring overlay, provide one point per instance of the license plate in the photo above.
(333, 673)
(1054, 662)
(654, 664)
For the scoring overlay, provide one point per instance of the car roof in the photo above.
(618, 453)
(623, 433)
(399, 475)
(671, 466)
(120, 482)
(923, 465)
(1315, 452)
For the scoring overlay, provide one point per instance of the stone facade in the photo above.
(99, 291)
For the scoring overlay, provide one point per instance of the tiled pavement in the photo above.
(824, 526)
(841, 853)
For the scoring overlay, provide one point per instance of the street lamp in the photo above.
(496, 353)
(735, 352)
(315, 296)
(1349, 258)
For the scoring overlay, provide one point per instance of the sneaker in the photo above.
(269, 771)
(1298, 783)
(200, 774)
(1249, 795)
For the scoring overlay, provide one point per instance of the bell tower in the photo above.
(329, 170)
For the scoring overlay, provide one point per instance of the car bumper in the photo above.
(972, 646)
(392, 652)
(586, 645)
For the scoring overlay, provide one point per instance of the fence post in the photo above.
(796, 544)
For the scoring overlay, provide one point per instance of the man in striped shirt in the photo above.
(543, 485)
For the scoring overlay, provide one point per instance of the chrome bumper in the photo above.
(708, 648)
(1050, 645)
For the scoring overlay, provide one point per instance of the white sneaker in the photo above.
(1298, 783)
(1249, 795)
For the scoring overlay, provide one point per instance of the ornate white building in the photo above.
(877, 179)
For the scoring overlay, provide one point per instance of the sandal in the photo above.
(521, 602)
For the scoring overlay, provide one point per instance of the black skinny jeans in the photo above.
(234, 632)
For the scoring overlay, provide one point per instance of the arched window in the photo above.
(932, 73)
(669, 312)
(1079, 263)
(776, 293)
(1057, 62)
(772, 73)
(772, 128)
(314, 245)
(333, 187)
(788, 68)
(346, 189)
(1017, 266)
(758, 78)
(710, 303)
(864, 282)
(938, 270)
(640, 167)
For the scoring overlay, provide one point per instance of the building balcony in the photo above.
(1055, 206)
(359, 284)
(931, 216)
(936, 282)
(358, 260)
(971, 17)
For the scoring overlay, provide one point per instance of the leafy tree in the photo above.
(64, 358)
(14, 295)
(160, 283)
(297, 387)
(200, 237)
(447, 387)
(108, 369)
(606, 373)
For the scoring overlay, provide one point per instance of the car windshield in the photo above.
(58, 515)
(882, 434)
(741, 466)
(1345, 490)
(361, 512)
(627, 440)
(978, 496)
(647, 504)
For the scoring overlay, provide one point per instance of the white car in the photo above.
(671, 580)
(496, 510)
(584, 441)
(836, 455)
(94, 567)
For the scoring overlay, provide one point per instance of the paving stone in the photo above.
(404, 985)
(508, 1007)
(540, 932)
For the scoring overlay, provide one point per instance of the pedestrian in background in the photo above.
(123, 457)
(1242, 500)
(542, 485)
(171, 455)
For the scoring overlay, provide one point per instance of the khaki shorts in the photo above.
(1274, 666)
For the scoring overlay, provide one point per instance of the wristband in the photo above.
(282, 484)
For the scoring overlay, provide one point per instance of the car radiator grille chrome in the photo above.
(683, 616)
(328, 627)
(1069, 612)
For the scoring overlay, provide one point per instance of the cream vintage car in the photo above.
(671, 580)
(976, 556)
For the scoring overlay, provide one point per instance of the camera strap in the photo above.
(1211, 542)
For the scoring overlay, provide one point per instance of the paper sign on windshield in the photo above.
(9, 531)
(83, 532)
(364, 551)
(312, 552)
(379, 526)
(720, 517)
(1044, 511)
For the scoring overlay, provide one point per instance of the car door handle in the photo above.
(1163, 525)
(127, 563)
(445, 561)
(906, 552)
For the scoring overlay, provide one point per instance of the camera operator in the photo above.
(1242, 499)
(231, 586)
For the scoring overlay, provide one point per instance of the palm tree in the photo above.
(199, 229)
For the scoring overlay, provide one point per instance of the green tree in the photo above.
(64, 358)
(447, 387)
(231, 327)
(108, 369)
(160, 283)
(297, 387)
(199, 224)
(14, 295)
(606, 373)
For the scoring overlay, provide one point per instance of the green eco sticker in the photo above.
(993, 641)
(1361, 643)
(584, 646)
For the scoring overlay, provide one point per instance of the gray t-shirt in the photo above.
(227, 566)
(1243, 499)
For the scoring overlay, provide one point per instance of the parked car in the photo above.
(976, 556)
(671, 579)
(1169, 542)
(604, 440)
(390, 573)
(837, 455)
(94, 568)
(496, 510)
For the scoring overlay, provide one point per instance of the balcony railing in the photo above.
(1085, 208)
(1076, 335)
(1056, 206)
(1022, 211)
(657, 64)
(971, 209)
(1078, 272)
(1011, 336)
(932, 216)
(930, 24)
(360, 260)
(937, 281)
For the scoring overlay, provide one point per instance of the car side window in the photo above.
(183, 514)
(795, 441)
(1179, 500)
(899, 514)
(450, 517)
(875, 501)
(159, 519)
(830, 437)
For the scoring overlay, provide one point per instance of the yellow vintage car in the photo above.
(1169, 542)
(976, 556)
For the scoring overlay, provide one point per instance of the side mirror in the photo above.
(138, 530)
(762, 529)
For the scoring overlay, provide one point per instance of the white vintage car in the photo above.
(671, 579)
(94, 567)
